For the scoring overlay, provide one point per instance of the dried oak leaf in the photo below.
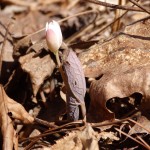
(143, 121)
(130, 47)
(87, 138)
(120, 82)
(27, 26)
(8, 105)
(38, 68)
(6, 24)
(130, 50)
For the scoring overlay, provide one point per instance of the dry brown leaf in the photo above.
(120, 82)
(130, 47)
(70, 142)
(38, 68)
(120, 62)
(143, 121)
(8, 105)
(89, 138)
(7, 45)
(86, 139)
(109, 136)
(28, 25)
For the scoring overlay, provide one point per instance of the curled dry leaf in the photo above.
(120, 82)
(143, 121)
(78, 140)
(77, 86)
(130, 47)
(89, 138)
(108, 136)
(38, 68)
(23, 28)
(8, 105)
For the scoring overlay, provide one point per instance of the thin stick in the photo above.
(137, 4)
(35, 140)
(52, 131)
(108, 25)
(131, 138)
(62, 20)
(113, 5)
(45, 123)
(116, 25)
(143, 141)
(139, 124)
(84, 30)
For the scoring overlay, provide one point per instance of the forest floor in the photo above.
(111, 39)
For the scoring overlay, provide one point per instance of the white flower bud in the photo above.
(53, 36)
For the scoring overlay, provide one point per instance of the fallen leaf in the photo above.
(86, 139)
(143, 121)
(17, 111)
(130, 47)
(109, 136)
(121, 82)
(89, 138)
(38, 68)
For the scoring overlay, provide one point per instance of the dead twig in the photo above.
(113, 5)
(143, 141)
(138, 5)
(85, 29)
(108, 25)
(35, 139)
(132, 138)
(139, 124)
(45, 123)
(62, 20)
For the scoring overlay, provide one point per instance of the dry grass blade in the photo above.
(138, 124)
(85, 29)
(54, 130)
(98, 31)
(62, 20)
(114, 6)
(131, 138)
(35, 139)
(143, 141)
(45, 123)
(144, 9)
(21, 3)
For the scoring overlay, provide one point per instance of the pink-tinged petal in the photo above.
(46, 26)
(52, 41)
(53, 36)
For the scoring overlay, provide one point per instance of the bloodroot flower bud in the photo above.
(53, 36)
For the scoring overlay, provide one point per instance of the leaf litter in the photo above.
(118, 64)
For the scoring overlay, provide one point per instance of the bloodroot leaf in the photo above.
(76, 86)
(72, 108)
(75, 76)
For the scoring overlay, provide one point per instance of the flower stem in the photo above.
(60, 68)
(57, 59)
